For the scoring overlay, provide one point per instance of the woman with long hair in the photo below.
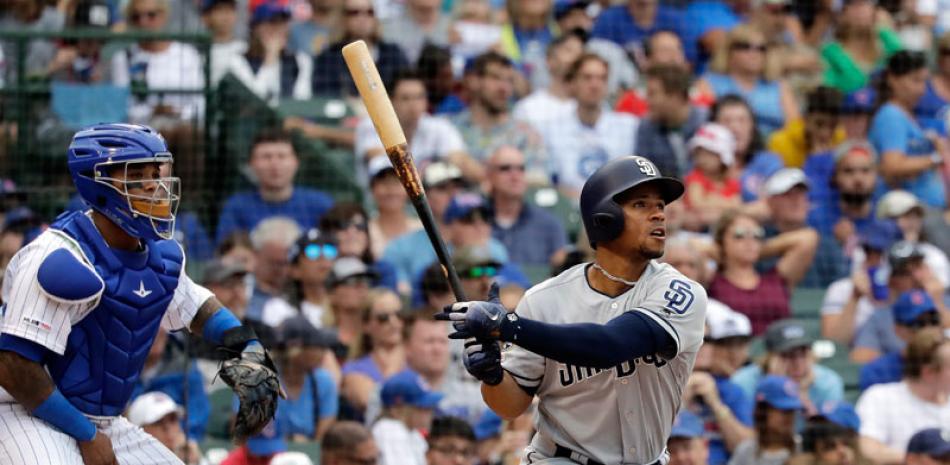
(752, 161)
(930, 110)
(743, 66)
(861, 46)
(348, 224)
(763, 297)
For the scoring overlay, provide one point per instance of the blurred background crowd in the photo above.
(811, 136)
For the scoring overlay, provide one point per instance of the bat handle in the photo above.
(421, 203)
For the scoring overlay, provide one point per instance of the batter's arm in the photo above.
(507, 399)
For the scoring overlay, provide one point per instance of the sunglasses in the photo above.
(360, 11)
(746, 46)
(317, 251)
(356, 280)
(928, 319)
(504, 168)
(139, 15)
(385, 317)
(359, 224)
(475, 272)
(743, 233)
(457, 451)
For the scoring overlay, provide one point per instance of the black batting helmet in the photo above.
(602, 215)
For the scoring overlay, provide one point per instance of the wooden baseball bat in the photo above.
(380, 108)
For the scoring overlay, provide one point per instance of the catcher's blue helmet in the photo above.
(602, 215)
(97, 153)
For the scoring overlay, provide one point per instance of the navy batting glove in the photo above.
(482, 360)
(482, 320)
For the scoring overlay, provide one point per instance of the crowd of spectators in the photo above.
(811, 136)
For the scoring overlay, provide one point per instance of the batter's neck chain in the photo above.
(612, 277)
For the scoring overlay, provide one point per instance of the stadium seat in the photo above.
(806, 303)
(221, 400)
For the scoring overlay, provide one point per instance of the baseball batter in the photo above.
(84, 301)
(606, 346)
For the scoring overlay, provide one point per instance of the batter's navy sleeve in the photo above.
(626, 337)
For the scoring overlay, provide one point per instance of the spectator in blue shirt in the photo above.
(909, 157)
(844, 196)
(629, 25)
(274, 165)
(913, 311)
(753, 162)
(533, 236)
(932, 108)
(709, 21)
(312, 401)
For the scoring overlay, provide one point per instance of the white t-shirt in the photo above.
(265, 83)
(891, 414)
(542, 106)
(398, 445)
(276, 310)
(576, 150)
(177, 67)
(435, 137)
(223, 56)
(838, 294)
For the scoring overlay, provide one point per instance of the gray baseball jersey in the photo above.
(621, 415)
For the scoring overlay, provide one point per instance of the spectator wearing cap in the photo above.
(856, 111)
(592, 134)
(430, 137)
(380, 352)
(422, 22)
(391, 220)
(348, 224)
(158, 64)
(787, 206)
(753, 163)
(913, 311)
(312, 401)
(349, 284)
(451, 441)
(630, 24)
(851, 301)
(788, 353)
(672, 118)
(553, 101)
(260, 449)
(220, 18)
(359, 22)
(687, 444)
(269, 68)
(164, 371)
(891, 413)
(724, 411)
(762, 296)
(274, 165)
(931, 108)
(777, 405)
(848, 63)
(846, 208)
(711, 187)
(740, 65)
(905, 210)
(830, 437)
(573, 17)
(408, 405)
(910, 158)
(929, 446)
(477, 268)
(159, 415)
(488, 123)
(272, 241)
(818, 131)
(227, 281)
(348, 443)
(533, 237)
(311, 261)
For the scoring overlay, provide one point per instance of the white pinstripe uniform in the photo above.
(30, 313)
(620, 415)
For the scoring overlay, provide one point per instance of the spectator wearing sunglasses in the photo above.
(348, 443)
(913, 311)
(349, 284)
(532, 236)
(891, 413)
(763, 297)
(311, 261)
(380, 352)
(908, 271)
(348, 225)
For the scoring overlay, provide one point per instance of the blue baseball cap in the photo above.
(270, 10)
(268, 442)
(880, 235)
(859, 101)
(464, 204)
(934, 442)
(488, 426)
(780, 392)
(841, 414)
(910, 305)
(408, 388)
(687, 425)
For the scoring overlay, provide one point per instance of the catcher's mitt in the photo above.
(254, 380)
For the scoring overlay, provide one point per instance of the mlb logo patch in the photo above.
(37, 323)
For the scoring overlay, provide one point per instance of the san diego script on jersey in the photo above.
(621, 414)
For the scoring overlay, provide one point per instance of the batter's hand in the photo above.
(481, 320)
(98, 451)
(482, 360)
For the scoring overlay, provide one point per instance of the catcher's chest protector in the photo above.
(106, 350)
